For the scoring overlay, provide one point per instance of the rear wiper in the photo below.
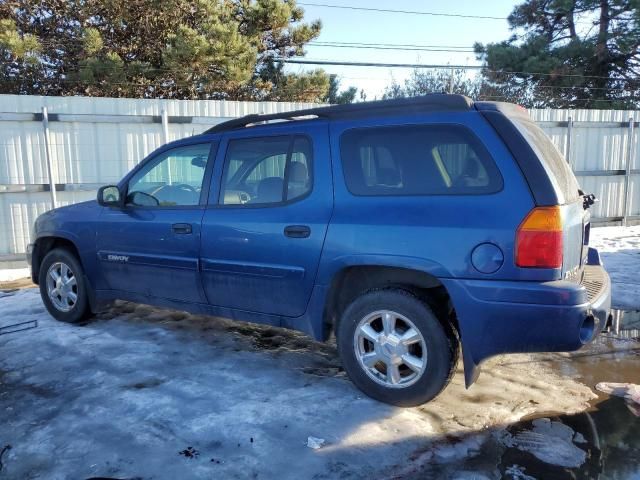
(587, 199)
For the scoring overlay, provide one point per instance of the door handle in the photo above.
(181, 228)
(297, 231)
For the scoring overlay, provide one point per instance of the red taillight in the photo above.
(539, 239)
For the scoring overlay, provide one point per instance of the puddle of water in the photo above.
(601, 443)
(613, 357)
(604, 443)
(610, 429)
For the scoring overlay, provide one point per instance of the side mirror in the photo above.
(109, 196)
(142, 199)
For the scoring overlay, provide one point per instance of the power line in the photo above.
(405, 49)
(375, 64)
(325, 43)
(320, 62)
(73, 42)
(168, 84)
(411, 12)
(393, 44)
(418, 12)
(440, 66)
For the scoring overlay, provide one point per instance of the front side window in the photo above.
(266, 170)
(417, 160)
(174, 178)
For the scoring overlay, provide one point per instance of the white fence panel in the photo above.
(600, 150)
(95, 141)
(98, 141)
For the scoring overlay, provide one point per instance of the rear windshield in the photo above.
(553, 161)
(417, 160)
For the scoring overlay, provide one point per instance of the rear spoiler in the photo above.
(510, 110)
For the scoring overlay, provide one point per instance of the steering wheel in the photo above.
(185, 186)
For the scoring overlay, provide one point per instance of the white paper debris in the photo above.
(315, 443)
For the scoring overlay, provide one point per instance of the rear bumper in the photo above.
(497, 317)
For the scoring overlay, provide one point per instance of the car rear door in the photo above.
(151, 245)
(263, 231)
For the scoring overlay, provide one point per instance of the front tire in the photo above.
(62, 286)
(394, 348)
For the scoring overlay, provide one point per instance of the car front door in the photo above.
(264, 229)
(151, 245)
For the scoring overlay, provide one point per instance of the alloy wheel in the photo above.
(62, 286)
(390, 349)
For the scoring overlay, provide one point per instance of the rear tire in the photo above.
(394, 348)
(62, 286)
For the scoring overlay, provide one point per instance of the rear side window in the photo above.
(417, 160)
(553, 161)
(267, 170)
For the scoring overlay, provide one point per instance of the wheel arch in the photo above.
(44, 244)
(353, 280)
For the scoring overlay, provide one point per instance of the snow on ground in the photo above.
(552, 442)
(151, 393)
(619, 249)
(12, 274)
(123, 395)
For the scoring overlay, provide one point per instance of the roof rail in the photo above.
(426, 103)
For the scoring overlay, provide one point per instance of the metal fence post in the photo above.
(165, 139)
(567, 154)
(47, 152)
(165, 126)
(627, 172)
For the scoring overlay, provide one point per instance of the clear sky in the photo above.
(341, 25)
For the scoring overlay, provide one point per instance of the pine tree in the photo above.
(148, 49)
(568, 53)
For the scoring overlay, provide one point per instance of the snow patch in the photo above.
(12, 274)
(315, 442)
(465, 448)
(123, 395)
(516, 472)
(619, 249)
(629, 391)
(548, 441)
(466, 475)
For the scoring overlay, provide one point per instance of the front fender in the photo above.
(74, 224)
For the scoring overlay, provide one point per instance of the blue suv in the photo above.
(404, 227)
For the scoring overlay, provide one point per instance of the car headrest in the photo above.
(298, 172)
(270, 190)
(388, 177)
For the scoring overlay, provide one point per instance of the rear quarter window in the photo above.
(417, 160)
(554, 163)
